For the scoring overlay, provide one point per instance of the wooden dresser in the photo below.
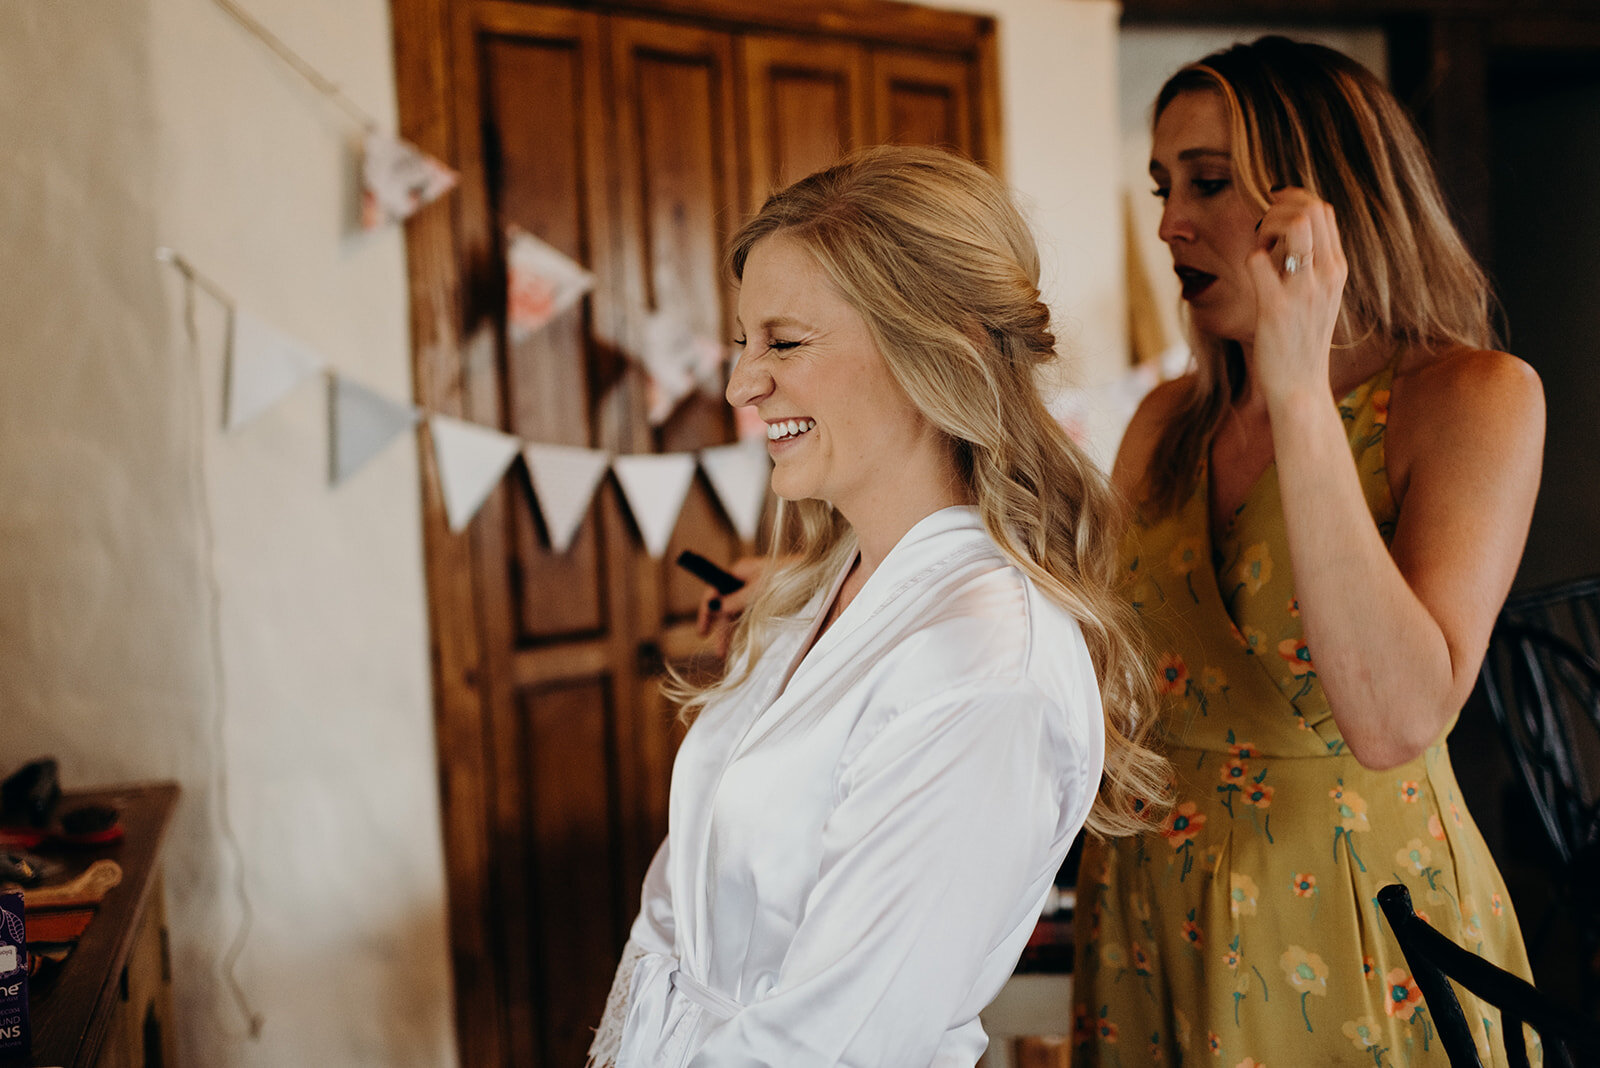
(109, 1005)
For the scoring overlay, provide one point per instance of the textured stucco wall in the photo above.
(180, 603)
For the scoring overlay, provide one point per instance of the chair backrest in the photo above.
(1541, 679)
(1566, 1037)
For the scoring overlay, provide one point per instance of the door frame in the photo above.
(449, 339)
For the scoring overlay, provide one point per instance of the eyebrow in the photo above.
(768, 324)
(1188, 155)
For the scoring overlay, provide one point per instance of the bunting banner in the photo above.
(564, 479)
(263, 367)
(360, 424)
(738, 475)
(678, 361)
(397, 179)
(655, 487)
(471, 460)
(541, 283)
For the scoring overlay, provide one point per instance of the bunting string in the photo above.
(263, 366)
(318, 81)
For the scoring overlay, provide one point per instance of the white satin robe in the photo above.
(856, 857)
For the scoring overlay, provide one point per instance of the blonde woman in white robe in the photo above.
(934, 687)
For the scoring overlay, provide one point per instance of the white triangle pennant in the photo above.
(471, 460)
(362, 423)
(397, 179)
(541, 283)
(564, 479)
(738, 473)
(264, 365)
(655, 487)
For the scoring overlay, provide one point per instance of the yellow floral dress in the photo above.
(1246, 932)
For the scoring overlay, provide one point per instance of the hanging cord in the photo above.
(301, 67)
(230, 960)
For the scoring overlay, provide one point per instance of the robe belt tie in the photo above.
(660, 1027)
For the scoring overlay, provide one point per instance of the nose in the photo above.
(1176, 224)
(748, 382)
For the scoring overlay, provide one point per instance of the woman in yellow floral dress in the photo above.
(1330, 510)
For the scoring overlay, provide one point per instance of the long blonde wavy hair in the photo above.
(930, 250)
(1303, 115)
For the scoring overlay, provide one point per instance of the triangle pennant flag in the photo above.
(564, 479)
(738, 473)
(471, 460)
(541, 283)
(264, 365)
(397, 179)
(362, 423)
(655, 487)
(678, 361)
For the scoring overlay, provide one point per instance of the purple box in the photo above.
(14, 1034)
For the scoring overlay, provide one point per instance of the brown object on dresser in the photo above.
(110, 1002)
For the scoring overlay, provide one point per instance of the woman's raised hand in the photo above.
(1298, 269)
(720, 611)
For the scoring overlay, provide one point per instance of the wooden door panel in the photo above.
(807, 104)
(921, 98)
(679, 184)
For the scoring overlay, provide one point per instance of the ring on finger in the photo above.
(1295, 262)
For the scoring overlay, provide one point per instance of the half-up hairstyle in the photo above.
(930, 250)
(1304, 115)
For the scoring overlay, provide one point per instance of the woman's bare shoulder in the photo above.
(1157, 409)
(1474, 398)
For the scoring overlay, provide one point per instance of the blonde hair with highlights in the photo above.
(1304, 115)
(930, 250)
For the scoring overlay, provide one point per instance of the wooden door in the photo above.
(633, 142)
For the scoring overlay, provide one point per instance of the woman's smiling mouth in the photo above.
(788, 429)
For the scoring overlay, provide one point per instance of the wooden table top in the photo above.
(70, 1010)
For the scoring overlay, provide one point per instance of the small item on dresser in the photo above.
(90, 825)
(29, 794)
(83, 890)
(15, 1037)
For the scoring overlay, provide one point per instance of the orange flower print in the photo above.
(1258, 795)
(1185, 556)
(1243, 750)
(1214, 1043)
(1242, 894)
(1299, 657)
(1455, 813)
(1141, 959)
(1213, 681)
(1237, 636)
(1294, 607)
(1172, 676)
(1435, 827)
(1231, 959)
(1410, 790)
(1368, 967)
(1255, 567)
(1106, 1030)
(1251, 1062)
(1235, 771)
(1305, 884)
(1183, 823)
(1082, 1029)
(1380, 407)
(1402, 994)
(1496, 904)
(1192, 934)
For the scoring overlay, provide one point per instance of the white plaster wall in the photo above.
(180, 603)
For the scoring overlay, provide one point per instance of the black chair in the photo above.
(1566, 1037)
(1541, 681)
